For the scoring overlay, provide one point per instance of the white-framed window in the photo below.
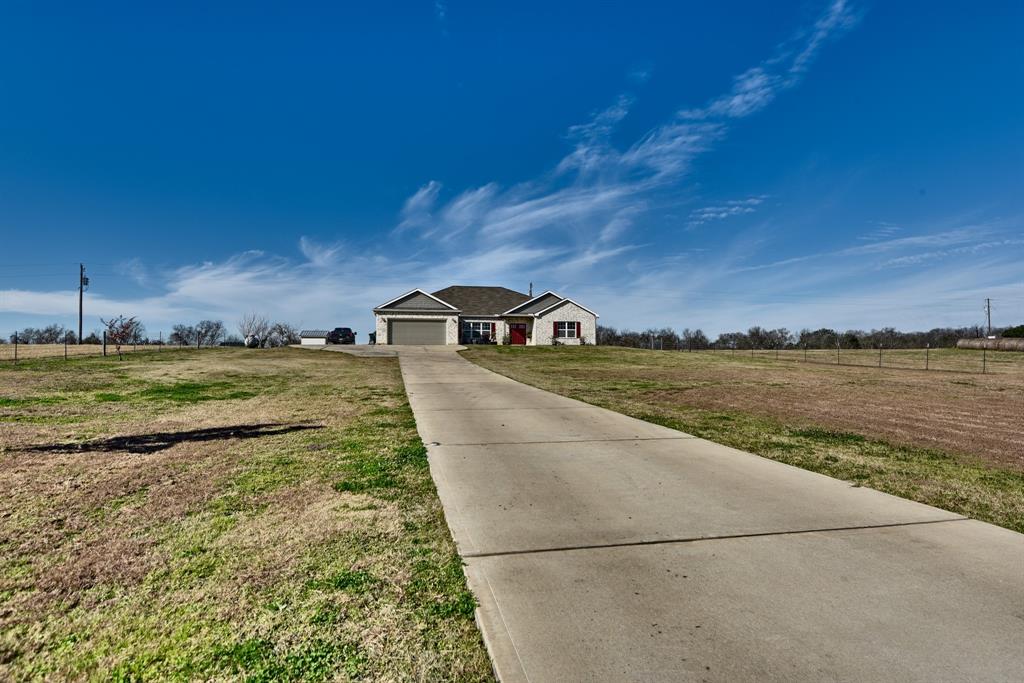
(474, 331)
(565, 330)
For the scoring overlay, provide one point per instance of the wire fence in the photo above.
(15, 351)
(977, 361)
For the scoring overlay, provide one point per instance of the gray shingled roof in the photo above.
(481, 300)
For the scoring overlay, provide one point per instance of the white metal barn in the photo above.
(313, 337)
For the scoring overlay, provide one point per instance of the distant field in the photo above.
(29, 351)
(948, 439)
(223, 514)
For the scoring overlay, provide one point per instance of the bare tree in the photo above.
(120, 331)
(209, 332)
(182, 335)
(694, 339)
(51, 334)
(282, 334)
(253, 328)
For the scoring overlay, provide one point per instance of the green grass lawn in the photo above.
(913, 434)
(223, 514)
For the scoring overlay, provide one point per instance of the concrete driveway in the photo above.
(604, 548)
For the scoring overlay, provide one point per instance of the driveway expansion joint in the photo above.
(699, 539)
(504, 410)
(540, 443)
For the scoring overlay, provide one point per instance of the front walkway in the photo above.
(601, 547)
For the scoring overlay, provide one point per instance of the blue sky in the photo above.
(712, 165)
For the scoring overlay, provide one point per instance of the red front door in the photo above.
(517, 331)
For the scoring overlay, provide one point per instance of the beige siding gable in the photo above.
(537, 305)
(417, 301)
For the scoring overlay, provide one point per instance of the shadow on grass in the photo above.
(158, 441)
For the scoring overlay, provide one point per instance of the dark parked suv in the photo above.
(341, 335)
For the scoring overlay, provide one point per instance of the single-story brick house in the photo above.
(466, 315)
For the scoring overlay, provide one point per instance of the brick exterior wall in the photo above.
(567, 312)
(500, 326)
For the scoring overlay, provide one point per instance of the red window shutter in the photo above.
(554, 330)
(577, 329)
(494, 330)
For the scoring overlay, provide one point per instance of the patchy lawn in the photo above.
(950, 440)
(223, 514)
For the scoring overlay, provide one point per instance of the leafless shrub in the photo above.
(254, 328)
(282, 334)
(120, 331)
(210, 332)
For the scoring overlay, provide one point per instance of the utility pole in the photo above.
(83, 282)
(988, 316)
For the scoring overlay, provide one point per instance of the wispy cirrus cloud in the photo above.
(640, 74)
(733, 207)
(883, 231)
(962, 235)
(416, 211)
(135, 270)
(939, 254)
(589, 191)
(321, 255)
(757, 87)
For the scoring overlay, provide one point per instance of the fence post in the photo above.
(879, 355)
(104, 343)
(15, 347)
(984, 359)
(65, 346)
(161, 347)
(926, 348)
(837, 353)
(805, 353)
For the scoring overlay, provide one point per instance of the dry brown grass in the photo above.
(980, 415)
(223, 514)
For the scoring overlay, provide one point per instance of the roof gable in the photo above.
(489, 301)
(559, 304)
(536, 304)
(417, 300)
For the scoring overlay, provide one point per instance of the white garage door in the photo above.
(416, 332)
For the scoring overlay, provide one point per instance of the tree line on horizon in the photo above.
(203, 333)
(214, 333)
(781, 338)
